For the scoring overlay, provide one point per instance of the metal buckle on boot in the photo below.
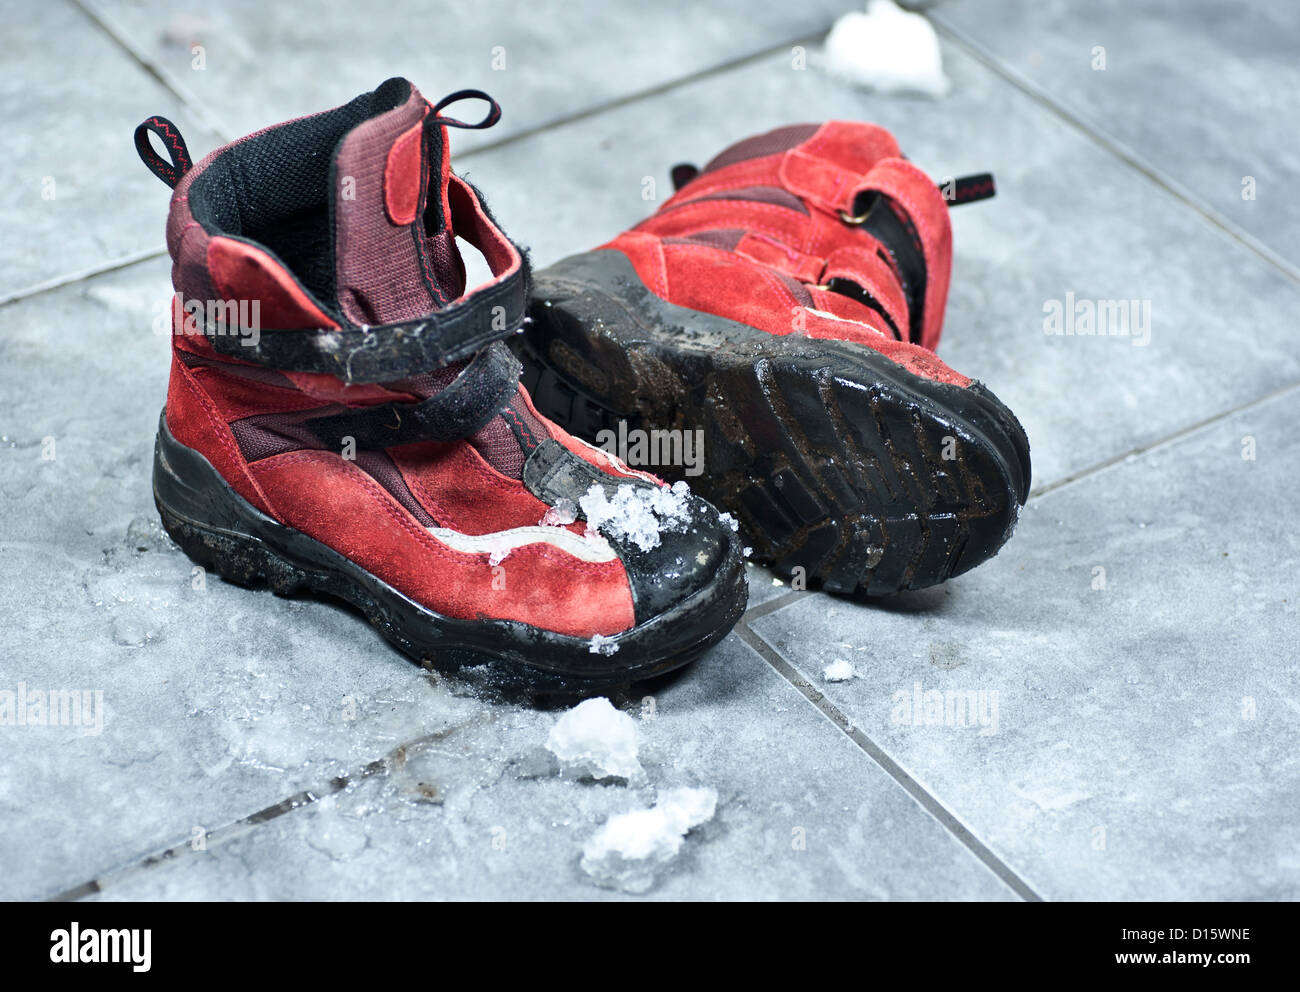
(857, 220)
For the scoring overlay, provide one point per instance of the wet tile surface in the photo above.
(479, 814)
(541, 65)
(75, 196)
(1208, 93)
(1114, 706)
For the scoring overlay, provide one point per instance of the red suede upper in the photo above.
(381, 508)
(760, 233)
(336, 502)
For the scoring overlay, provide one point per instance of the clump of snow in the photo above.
(888, 50)
(729, 520)
(498, 556)
(595, 740)
(838, 670)
(630, 848)
(594, 537)
(639, 513)
(564, 512)
(600, 644)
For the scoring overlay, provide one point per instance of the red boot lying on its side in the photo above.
(787, 302)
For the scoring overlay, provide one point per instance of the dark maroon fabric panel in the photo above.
(724, 239)
(756, 194)
(381, 271)
(780, 140)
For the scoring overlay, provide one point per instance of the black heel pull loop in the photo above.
(682, 174)
(170, 135)
(494, 113)
(968, 189)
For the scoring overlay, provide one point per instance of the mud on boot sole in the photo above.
(832, 457)
(220, 530)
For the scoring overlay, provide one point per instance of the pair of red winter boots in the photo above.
(344, 414)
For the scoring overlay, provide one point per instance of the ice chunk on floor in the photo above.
(629, 850)
(638, 513)
(838, 670)
(594, 739)
(886, 49)
(563, 513)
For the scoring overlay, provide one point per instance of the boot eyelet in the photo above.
(857, 221)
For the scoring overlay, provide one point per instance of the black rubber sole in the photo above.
(833, 458)
(218, 529)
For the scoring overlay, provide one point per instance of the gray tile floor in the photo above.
(1131, 653)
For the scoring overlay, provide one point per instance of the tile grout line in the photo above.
(81, 275)
(923, 797)
(1161, 442)
(1128, 156)
(195, 105)
(657, 90)
(771, 606)
(167, 79)
(244, 825)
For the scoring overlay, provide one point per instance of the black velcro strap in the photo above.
(553, 472)
(968, 189)
(475, 396)
(890, 225)
(170, 135)
(389, 351)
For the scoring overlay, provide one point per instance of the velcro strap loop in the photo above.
(768, 251)
(818, 180)
(866, 269)
(475, 396)
(927, 210)
(390, 351)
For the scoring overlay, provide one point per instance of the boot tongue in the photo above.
(386, 268)
(389, 189)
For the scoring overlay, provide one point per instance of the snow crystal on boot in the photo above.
(563, 513)
(638, 513)
(600, 644)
